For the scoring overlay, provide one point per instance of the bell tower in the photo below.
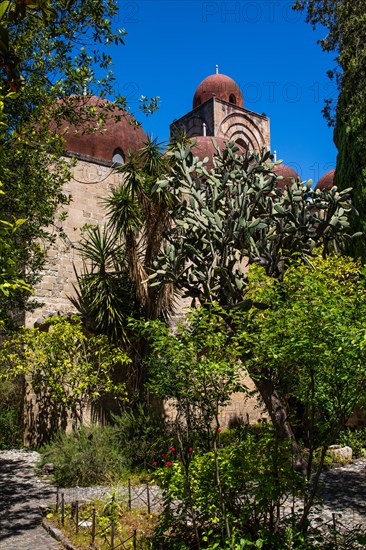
(218, 111)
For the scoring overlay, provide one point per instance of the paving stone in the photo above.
(23, 497)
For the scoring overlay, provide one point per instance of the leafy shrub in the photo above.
(356, 439)
(10, 414)
(241, 486)
(234, 436)
(88, 456)
(10, 429)
(70, 369)
(142, 436)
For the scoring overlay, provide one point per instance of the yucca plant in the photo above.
(105, 294)
(119, 257)
(140, 218)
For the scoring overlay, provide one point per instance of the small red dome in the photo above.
(221, 86)
(327, 181)
(203, 147)
(287, 173)
(121, 136)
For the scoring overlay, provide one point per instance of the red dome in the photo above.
(327, 181)
(287, 173)
(204, 147)
(121, 136)
(221, 86)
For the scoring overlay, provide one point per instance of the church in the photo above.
(218, 112)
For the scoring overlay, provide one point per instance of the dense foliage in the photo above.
(69, 370)
(225, 495)
(10, 272)
(119, 257)
(233, 216)
(308, 344)
(86, 457)
(309, 347)
(345, 22)
(11, 414)
(197, 369)
(52, 53)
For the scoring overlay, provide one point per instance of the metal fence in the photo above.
(78, 516)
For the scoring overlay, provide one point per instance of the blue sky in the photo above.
(267, 48)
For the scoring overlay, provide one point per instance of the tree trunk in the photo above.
(278, 414)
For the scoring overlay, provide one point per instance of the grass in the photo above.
(126, 522)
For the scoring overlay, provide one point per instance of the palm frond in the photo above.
(105, 295)
(100, 248)
(123, 211)
(153, 162)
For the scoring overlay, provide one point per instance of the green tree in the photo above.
(345, 21)
(69, 370)
(197, 368)
(51, 55)
(310, 345)
(10, 273)
(10, 281)
(234, 216)
(140, 218)
(114, 285)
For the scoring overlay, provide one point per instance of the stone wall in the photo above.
(238, 124)
(91, 182)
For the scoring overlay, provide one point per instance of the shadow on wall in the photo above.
(43, 418)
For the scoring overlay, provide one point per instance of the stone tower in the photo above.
(218, 111)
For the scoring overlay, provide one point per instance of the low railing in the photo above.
(82, 516)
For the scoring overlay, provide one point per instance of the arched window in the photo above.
(232, 99)
(241, 143)
(118, 156)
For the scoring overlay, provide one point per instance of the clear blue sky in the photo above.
(267, 48)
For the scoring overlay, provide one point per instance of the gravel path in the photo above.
(344, 493)
(22, 497)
